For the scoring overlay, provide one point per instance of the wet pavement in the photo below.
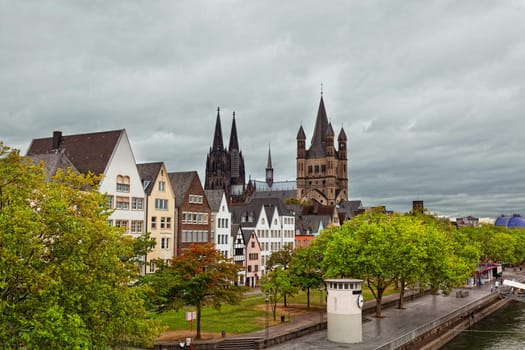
(379, 331)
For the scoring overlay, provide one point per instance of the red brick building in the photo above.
(192, 211)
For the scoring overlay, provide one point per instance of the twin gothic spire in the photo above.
(225, 167)
(218, 144)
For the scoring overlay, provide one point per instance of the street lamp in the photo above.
(266, 329)
(321, 305)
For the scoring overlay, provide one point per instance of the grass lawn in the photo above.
(249, 316)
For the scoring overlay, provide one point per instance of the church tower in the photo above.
(225, 167)
(322, 169)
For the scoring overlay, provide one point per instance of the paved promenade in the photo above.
(394, 324)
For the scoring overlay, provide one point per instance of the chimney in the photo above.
(57, 138)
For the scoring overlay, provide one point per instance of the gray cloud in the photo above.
(431, 94)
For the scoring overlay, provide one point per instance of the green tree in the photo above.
(497, 244)
(66, 282)
(409, 254)
(448, 264)
(281, 259)
(305, 269)
(519, 234)
(362, 248)
(200, 277)
(276, 284)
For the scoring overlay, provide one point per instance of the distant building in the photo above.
(314, 218)
(193, 212)
(270, 220)
(225, 166)
(253, 258)
(269, 187)
(322, 174)
(418, 207)
(348, 209)
(467, 221)
(221, 218)
(160, 212)
(514, 221)
(239, 253)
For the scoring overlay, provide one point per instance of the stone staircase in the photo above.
(239, 344)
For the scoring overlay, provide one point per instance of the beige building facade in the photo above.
(161, 222)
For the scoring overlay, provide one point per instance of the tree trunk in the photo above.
(401, 301)
(379, 300)
(274, 311)
(284, 300)
(434, 290)
(308, 298)
(198, 336)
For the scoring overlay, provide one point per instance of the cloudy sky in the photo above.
(430, 93)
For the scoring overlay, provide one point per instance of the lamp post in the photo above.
(266, 329)
(321, 306)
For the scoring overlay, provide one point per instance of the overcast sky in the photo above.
(430, 93)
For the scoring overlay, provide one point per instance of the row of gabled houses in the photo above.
(177, 211)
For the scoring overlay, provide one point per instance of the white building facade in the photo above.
(221, 222)
(123, 186)
(273, 224)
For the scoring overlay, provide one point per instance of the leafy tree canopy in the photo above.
(200, 277)
(65, 274)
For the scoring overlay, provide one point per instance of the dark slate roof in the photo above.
(274, 202)
(330, 130)
(279, 189)
(254, 207)
(308, 224)
(234, 230)
(148, 173)
(269, 162)
(342, 135)
(300, 134)
(246, 234)
(349, 209)
(317, 148)
(180, 183)
(87, 152)
(318, 209)
(234, 142)
(294, 208)
(214, 199)
(217, 136)
(53, 162)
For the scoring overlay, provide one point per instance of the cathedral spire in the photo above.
(234, 143)
(217, 137)
(321, 127)
(269, 169)
(269, 163)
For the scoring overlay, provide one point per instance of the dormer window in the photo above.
(195, 199)
(122, 183)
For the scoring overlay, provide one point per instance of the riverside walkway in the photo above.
(380, 331)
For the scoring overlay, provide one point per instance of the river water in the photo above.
(503, 330)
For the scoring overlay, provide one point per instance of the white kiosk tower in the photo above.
(344, 310)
